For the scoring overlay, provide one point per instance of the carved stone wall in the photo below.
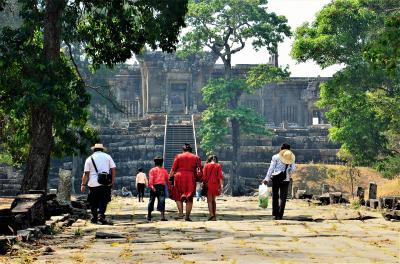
(165, 84)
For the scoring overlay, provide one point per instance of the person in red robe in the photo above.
(183, 172)
(214, 182)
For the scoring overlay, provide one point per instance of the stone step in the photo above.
(10, 181)
(9, 192)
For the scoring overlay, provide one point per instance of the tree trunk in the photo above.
(41, 118)
(235, 186)
(235, 181)
(37, 167)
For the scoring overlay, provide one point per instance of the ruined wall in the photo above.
(10, 180)
(172, 85)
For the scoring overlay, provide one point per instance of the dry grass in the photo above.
(314, 175)
(391, 187)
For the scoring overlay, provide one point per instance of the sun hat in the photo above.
(286, 156)
(98, 146)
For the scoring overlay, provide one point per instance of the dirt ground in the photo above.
(243, 233)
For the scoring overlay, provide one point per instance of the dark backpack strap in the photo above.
(286, 167)
(94, 164)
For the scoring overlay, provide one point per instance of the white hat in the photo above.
(286, 156)
(98, 146)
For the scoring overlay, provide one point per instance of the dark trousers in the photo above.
(279, 195)
(140, 190)
(98, 198)
(159, 193)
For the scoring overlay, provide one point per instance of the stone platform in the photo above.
(243, 233)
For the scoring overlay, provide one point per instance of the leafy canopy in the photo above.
(362, 99)
(215, 119)
(224, 26)
(109, 31)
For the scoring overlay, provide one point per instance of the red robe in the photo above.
(184, 166)
(212, 176)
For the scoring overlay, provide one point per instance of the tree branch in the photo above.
(94, 88)
(242, 44)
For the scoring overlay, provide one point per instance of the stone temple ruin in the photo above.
(161, 96)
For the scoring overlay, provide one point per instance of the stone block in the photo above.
(56, 207)
(64, 185)
(373, 203)
(391, 215)
(361, 195)
(390, 202)
(325, 199)
(6, 242)
(290, 195)
(7, 222)
(372, 190)
(29, 210)
(294, 191)
(150, 141)
(335, 197)
(302, 194)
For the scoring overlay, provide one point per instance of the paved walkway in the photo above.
(243, 234)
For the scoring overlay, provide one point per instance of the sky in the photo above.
(297, 12)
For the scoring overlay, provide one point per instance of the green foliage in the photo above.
(263, 74)
(27, 80)
(108, 31)
(363, 98)
(215, 119)
(78, 232)
(337, 34)
(390, 167)
(385, 51)
(223, 26)
(113, 30)
(355, 204)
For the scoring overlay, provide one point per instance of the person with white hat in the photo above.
(280, 169)
(99, 174)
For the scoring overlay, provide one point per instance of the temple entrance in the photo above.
(178, 98)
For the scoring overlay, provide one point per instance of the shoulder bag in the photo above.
(103, 178)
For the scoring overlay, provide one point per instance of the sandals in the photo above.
(179, 217)
(212, 218)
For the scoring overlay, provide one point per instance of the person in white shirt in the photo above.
(141, 182)
(99, 195)
(279, 174)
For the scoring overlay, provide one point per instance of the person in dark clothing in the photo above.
(99, 195)
(280, 169)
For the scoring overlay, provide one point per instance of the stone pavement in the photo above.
(243, 234)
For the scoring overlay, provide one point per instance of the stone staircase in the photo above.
(178, 132)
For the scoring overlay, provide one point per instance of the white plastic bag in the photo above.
(263, 196)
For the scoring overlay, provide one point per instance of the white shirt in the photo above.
(104, 163)
(141, 178)
(278, 166)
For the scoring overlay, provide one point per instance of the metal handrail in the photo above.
(165, 136)
(194, 135)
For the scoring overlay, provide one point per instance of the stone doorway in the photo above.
(177, 103)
